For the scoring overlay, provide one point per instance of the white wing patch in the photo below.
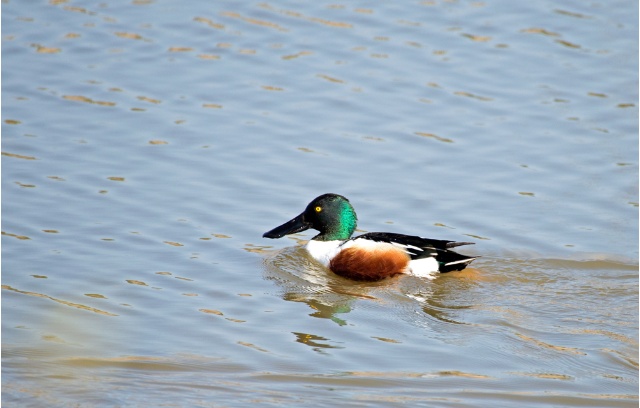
(366, 244)
(410, 249)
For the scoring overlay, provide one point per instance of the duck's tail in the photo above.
(455, 262)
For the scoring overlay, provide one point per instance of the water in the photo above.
(148, 145)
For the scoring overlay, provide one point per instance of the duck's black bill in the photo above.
(297, 224)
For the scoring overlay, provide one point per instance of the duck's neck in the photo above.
(342, 229)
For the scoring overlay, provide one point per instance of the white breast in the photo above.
(323, 251)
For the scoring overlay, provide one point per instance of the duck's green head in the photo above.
(331, 214)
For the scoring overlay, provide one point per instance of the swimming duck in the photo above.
(372, 256)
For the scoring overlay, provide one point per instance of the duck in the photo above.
(372, 256)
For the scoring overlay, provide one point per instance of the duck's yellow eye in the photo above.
(318, 209)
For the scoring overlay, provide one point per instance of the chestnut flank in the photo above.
(367, 265)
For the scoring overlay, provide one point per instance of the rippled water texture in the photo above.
(147, 145)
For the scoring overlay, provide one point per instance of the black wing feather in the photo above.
(438, 248)
(412, 240)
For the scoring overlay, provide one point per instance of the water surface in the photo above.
(146, 146)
